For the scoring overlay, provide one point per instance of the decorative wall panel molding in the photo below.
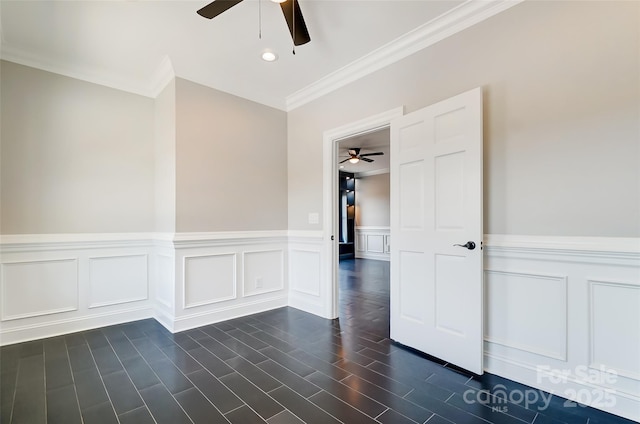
(181, 279)
(305, 271)
(373, 243)
(33, 288)
(263, 272)
(226, 275)
(118, 279)
(59, 283)
(563, 315)
(609, 328)
(209, 279)
(513, 318)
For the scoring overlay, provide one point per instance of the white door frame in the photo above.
(330, 196)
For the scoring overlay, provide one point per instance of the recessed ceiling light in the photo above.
(269, 56)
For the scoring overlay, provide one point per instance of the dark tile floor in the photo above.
(280, 367)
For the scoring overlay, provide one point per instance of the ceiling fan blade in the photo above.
(216, 7)
(373, 154)
(366, 159)
(343, 161)
(297, 27)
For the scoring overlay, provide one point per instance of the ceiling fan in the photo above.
(355, 156)
(290, 9)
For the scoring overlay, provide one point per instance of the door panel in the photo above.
(449, 191)
(412, 196)
(436, 203)
(448, 277)
(413, 292)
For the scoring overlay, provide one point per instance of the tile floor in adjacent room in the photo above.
(282, 366)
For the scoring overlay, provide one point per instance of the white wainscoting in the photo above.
(209, 279)
(226, 275)
(56, 284)
(39, 287)
(307, 291)
(163, 280)
(563, 315)
(373, 243)
(118, 279)
(263, 272)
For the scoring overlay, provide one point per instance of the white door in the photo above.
(436, 204)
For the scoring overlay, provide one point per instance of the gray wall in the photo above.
(372, 201)
(82, 158)
(231, 162)
(165, 159)
(561, 90)
(75, 157)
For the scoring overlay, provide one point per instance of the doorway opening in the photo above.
(331, 199)
(364, 233)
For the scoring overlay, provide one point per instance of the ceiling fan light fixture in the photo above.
(278, 1)
(269, 56)
(354, 160)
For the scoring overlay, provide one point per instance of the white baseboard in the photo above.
(187, 322)
(373, 256)
(40, 330)
(305, 303)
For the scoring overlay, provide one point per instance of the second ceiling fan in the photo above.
(355, 156)
(290, 10)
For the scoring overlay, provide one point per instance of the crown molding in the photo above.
(151, 87)
(463, 16)
(162, 76)
(459, 18)
(83, 73)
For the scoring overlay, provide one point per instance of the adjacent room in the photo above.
(318, 211)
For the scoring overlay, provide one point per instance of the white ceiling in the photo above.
(135, 44)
